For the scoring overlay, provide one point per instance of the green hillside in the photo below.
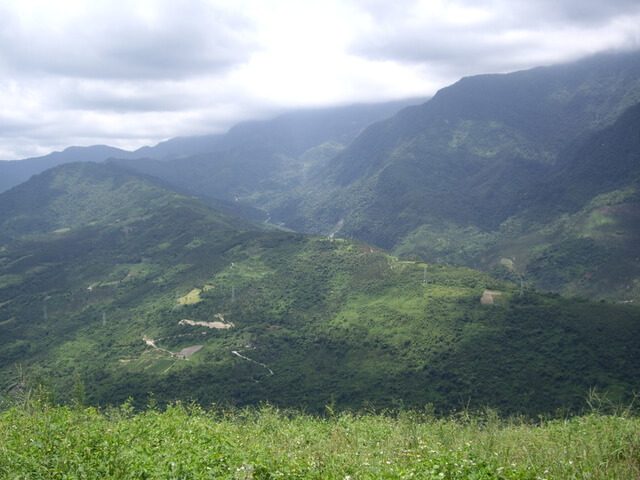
(469, 154)
(82, 194)
(13, 173)
(576, 232)
(172, 297)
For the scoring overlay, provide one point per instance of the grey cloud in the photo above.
(444, 49)
(576, 12)
(512, 12)
(505, 39)
(185, 39)
(124, 97)
(119, 71)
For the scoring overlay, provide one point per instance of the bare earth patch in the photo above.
(219, 325)
(182, 354)
(188, 351)
(488, 297)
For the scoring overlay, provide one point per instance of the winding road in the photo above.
(251, 360)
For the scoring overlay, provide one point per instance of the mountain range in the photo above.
(494, 172)
(365, 255)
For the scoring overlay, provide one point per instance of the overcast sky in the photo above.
(135, 72)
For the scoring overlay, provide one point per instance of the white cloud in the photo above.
(453, 39)
(134, 72)
(123, 39)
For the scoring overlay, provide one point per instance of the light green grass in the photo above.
(191, 443)
(250, 269)
(594, 223)
(191, 298)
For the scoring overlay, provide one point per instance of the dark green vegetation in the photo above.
(110, 297)
(266, 443)
(77, 195)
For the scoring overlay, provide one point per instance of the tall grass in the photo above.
(188, 442)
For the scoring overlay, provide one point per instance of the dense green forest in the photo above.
(164, 295)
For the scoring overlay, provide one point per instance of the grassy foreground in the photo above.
(187, 442)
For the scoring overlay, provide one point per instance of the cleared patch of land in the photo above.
(489, 297)
(184, 353)
(219, 325)
(191, 298)
(188, 351)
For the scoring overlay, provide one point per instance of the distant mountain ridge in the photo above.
(485, 138)
(77, 194)
(262, 163)
(15, 172)
(308, 126)
(461, 176)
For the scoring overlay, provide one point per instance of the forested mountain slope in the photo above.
(531, 175)
(469, 155)
(168, 296)
(15, 172)
(485, 163)
(76, 195)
